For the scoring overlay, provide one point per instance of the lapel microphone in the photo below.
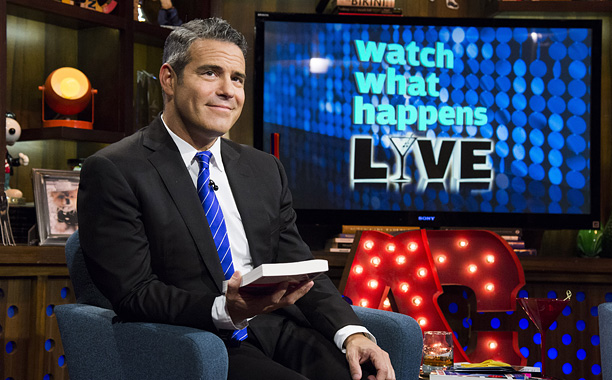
(213, 185)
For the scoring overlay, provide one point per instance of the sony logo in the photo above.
(427, 218)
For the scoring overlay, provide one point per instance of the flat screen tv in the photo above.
(433, 122)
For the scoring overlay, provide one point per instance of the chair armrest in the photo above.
(605, 335)
(88, 340)
(187, 353)
(399, 335)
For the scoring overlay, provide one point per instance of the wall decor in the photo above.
(55, 197)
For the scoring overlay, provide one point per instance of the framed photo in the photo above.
(55, 197)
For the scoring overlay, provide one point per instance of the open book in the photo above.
(268, 275)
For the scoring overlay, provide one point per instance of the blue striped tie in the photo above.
(216, 221)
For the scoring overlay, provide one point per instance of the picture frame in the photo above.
(55, 196)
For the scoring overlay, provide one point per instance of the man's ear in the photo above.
(167, 79)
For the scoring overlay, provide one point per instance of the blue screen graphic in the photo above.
(440, 118)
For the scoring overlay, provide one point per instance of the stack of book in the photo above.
(360, 7)
(341, 243)
(344, 242)
(499, 372)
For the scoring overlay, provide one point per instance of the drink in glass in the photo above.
(437, 350)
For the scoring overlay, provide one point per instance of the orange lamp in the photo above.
(67, 91)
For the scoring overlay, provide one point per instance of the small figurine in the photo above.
(13, 132)
(451, 4)
(168, 15)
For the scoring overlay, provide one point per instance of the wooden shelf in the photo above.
(70, 16)
(75, 134)
(30, 254)
(550, 6)
(145, 33)
(574, 270)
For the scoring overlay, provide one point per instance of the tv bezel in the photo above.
(437, 219)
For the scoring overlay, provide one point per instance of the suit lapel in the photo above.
(245, 189)
(166, 158)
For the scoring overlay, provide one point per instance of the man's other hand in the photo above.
(360, 349)
(244, 304)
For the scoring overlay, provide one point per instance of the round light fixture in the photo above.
(68, 92)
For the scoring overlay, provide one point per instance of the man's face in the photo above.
(209, 96)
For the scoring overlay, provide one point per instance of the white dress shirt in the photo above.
(239, 244)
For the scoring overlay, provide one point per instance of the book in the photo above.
(454, 375)
(516, 244)
(327, 6)
(526, 252)
(339, 250)
(366, 11)
(491, 365)
(353, 229)
(268, 275)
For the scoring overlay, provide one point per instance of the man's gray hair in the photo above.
(176, 47)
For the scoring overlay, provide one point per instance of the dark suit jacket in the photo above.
(148, 246)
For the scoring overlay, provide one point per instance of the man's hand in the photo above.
(243, 305)
(360, 349)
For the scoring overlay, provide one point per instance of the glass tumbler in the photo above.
(437, 350)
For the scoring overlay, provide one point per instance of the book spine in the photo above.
(516, 244)
(351, 229)
(365, 3)
(525, 252)
(340, 250)
(365, 10)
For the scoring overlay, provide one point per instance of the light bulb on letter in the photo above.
(373, 284)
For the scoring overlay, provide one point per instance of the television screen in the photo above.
(433, 122)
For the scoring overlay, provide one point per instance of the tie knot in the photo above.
(204, 158)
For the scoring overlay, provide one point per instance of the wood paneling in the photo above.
(32, 281)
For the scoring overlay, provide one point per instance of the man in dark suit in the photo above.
(150, 250)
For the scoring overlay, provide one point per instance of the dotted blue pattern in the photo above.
(572, 343)
(534, 83)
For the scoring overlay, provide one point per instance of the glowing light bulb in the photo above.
(422, 321)
(358, 269)
(363, 303)
(490, 259)
(441, 259)
(472, 268)
(373, 284)
(492, 345)
(404, 287)
(400, 260)
(489, 287)
(462, 243)
(386, 303)
(422, 272)
(417, 301)
(413, 246)
(390, 248)
(369, 244)
(375, 261)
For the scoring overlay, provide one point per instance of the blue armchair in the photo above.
(605, 335)
(97, 348)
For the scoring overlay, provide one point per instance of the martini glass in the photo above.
(543, 312)
(403, 145)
